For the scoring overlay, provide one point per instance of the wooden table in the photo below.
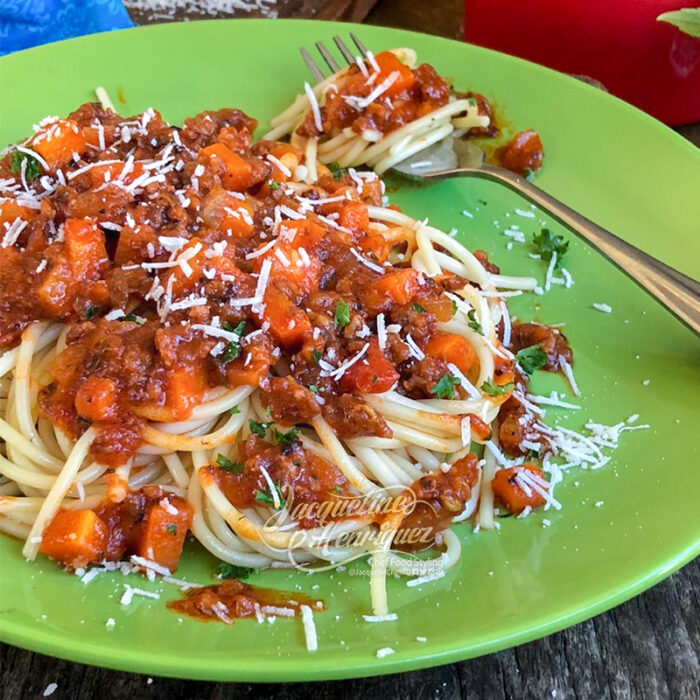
(646, 648)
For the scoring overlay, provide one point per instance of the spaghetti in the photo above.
(379, 112)
(206, 334)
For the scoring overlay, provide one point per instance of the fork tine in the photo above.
(315, 70)
(327, 57)
(359, 44)
(347, 54)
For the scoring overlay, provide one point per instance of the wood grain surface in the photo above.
(648, 647)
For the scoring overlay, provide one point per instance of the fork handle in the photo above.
(679, 293)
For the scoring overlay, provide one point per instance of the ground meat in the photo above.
(485, 109)
(524, 152)
(440, 496)
(419, 377)
(483, 257)
(516, 425)
(202, 130)
(553, 342)
(289, 402)
(352, 417)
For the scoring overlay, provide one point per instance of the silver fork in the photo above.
(452, 157)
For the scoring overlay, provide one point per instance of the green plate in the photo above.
(603, 157)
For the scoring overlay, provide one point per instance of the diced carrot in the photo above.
(163, 532)
(58, 141)
(10, 210)
(185, 388)
(354, 217)
(185, 276)
(514, 498)
(388, 64)
(453, 348)
(377, 244)
(303, 233)
(392, 288)
(224, 212)
(107, 173)
(480, 429)
(85, 248)
(75, 538)
(289, 325)
(132, 246)
(302, 272)
(238, 170)
(97, 399)
(373, 374)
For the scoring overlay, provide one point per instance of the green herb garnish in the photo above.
(316, 356)
(454, 306)
(288, 439)
(473, 323)
(445, 388)
(273, 184)
(342, 314)
(417, 307)
(172, 529)
(547, 243)
(313, 388)
(336, 171)
(91, 312)
(227, 465)
(32, 168)
(529, 174)
(492, 390)
(226, 570)
(234, 410)
(233, 347)
(257, 428)
(530, 359)
(267, 498)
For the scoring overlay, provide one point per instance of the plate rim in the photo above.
(43, 640)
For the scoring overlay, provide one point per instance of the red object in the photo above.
(651, 64)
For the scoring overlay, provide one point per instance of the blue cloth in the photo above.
(25, 23)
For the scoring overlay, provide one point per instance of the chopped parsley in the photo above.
(172, 529)
(529, 174)
(233, 347)
(91, 312)
(288, 439)
(342, 314)
(267, 498)
(133, 318)
(492, 390)
(445, 388)
(336, 171)
(473, 323)
(273, 184)
(417, 307)
(228, 466)
(257, 428)
(313, 388)
(32, 168)
(532, 358)
(472, 101)
(454, 307)
(234, 410)
(546, 243)
(316, 356)
(226, 570)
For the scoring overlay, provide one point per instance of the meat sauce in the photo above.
(515, 423)
(300, 477)
(149, 523)
(439, 497)
(231, 599)
(415, 93)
